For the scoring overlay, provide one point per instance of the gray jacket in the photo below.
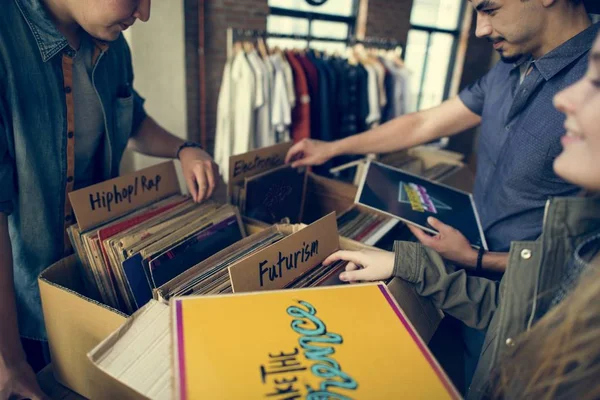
(510, 307)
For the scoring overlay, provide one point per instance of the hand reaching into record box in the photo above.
(373, 265)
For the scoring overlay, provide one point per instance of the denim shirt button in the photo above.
(68, 89)
(68, 218)
(70, 135)
(70, 179)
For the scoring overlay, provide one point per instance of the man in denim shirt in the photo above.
(67, 112)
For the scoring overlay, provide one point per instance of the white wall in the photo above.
(157, 48)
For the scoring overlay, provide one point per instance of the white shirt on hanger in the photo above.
(263, 131)
(374, 109)
(289, 81)
(282, 109)
(235, 112)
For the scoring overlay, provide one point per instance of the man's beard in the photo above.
(509, 59)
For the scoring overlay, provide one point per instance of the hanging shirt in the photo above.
(289, 82)
(363, 98)
(235, 112)
(262, 118)
(347, 98)
(312, 77)
(324, 116)
(301, 115)
(399, 98)
(281, 116)
(380, 70)
(374, 115)
(224, 131)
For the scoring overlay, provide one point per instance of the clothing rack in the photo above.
(235, 35)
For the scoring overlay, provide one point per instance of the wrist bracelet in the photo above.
(480, 255)
(186, 145)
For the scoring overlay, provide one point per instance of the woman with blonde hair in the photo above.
(559, 358)
(542, 337)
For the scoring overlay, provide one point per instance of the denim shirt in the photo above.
(37, 141)
(520, 138)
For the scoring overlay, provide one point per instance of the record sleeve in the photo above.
(412, 199)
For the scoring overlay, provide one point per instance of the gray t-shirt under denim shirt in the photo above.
(89, 119)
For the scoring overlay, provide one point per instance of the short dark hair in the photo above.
(576, 2)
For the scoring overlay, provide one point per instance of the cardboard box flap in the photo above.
(116, 197)
(59, 286)
(281, 263)
(136, 357)
(65, 275)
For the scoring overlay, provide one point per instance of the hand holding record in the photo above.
(449, 243)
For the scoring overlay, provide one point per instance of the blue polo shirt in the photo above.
(520, 138)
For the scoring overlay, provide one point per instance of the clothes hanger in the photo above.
(249, 47)
(262, 47)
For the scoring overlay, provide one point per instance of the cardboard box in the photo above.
(76, 323)
(245, 277)
(324, 195)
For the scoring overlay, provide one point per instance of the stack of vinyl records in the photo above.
(440, 171)
(364, 227)
(214, 276)
(211, 277)
(273, 195)
(404, 161)
(320, 275)
(125, 259)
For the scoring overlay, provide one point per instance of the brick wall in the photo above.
(389, 19)
(219, 15)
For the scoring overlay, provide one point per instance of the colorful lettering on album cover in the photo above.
(318, 346)
(283, 371)
(419, 199)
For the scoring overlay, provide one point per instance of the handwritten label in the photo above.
(255, 162)
(124, 194)
(286, 263)
(245, 167)
(116, 197)
(283, 262)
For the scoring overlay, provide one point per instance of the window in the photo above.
(431, 49)
(327, 26)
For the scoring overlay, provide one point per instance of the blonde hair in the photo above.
(559, 358)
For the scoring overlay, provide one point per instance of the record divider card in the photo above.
(280, 264)
(255, 162)
(116, 197)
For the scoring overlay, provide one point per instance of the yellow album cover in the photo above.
(344, 342)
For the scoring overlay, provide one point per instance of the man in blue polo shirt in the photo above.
(543, 45)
